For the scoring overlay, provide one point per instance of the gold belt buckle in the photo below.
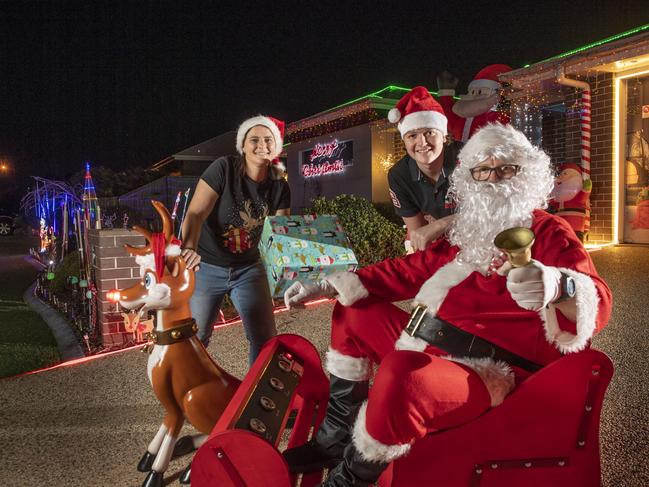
(416, 318)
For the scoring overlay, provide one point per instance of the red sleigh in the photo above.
(535, 438)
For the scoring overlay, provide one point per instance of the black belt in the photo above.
(460, 343)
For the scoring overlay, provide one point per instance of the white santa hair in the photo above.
(484, 209)
(417, 109)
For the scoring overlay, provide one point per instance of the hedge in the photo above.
(373, 237)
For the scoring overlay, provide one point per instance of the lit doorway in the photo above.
(634, 118)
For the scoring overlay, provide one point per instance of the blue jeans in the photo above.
(250, 294)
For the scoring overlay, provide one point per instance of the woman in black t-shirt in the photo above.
(223, 226)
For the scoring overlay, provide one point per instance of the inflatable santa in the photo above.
(478, 107)
(641, 218)
(571, 198)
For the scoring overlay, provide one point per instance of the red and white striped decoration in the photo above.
(585, 149)
(585, 134)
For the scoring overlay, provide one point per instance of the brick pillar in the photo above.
(602, 157)
(113, 268)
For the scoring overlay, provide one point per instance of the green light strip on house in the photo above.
(595, 44)
(377, 94)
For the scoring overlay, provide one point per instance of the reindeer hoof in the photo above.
(184, 476)
(146, 462)
(183, 446)
(154, 479)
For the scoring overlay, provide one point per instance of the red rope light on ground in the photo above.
(90, 358)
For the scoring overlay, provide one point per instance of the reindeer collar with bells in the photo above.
(182, 331)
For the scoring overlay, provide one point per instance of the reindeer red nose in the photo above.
(113, 295)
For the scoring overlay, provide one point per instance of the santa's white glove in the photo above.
(298, 293)
(534, 286)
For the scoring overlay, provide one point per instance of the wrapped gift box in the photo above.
(303, 248)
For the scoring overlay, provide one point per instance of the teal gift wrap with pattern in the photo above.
(303, 248)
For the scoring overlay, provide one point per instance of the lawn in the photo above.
(26, 342)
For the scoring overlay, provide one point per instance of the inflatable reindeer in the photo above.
(185, 379)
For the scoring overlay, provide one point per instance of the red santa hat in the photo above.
(570, 165)
(488, 77)
(417, 110)
(275, 126)
(161, 248)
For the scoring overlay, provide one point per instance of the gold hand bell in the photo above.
(516, 243)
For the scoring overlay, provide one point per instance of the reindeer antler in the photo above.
(157, 243)
(167, 223)
(140, 250)
(177, 273)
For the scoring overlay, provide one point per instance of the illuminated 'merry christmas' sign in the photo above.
(327, 158)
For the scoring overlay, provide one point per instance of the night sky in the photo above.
(129, 83)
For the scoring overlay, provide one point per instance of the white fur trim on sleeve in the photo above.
(348, 286)
(587, 301)
(434, 290)
(346, 367)
(497, 376)
(407, 342)
(371, 449)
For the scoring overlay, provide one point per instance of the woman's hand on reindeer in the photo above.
(534, 286)
(298, 293)
(192, 259)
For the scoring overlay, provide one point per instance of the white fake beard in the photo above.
(485, 209)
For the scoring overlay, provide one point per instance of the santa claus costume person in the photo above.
(484, 328)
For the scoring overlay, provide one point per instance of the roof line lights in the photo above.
(377, 94)
(595, 44)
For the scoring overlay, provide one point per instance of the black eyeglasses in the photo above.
(506, 171)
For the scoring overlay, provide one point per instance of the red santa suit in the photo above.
(461, 128)
(416, 393)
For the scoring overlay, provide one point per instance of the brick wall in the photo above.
(554, 135)
(399, 146)
(113, 268)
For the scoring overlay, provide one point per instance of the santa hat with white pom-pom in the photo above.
(276, 128)
(418, 110)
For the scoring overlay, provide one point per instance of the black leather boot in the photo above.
(354, 471)
(326, 449)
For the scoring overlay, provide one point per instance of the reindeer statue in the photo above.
(185, 379)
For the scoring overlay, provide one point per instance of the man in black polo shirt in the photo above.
(419, 182)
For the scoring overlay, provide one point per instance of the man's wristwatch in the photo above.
(568, 288)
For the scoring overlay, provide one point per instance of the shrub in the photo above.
(373, 237)
(387, 211)
(67, 268)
